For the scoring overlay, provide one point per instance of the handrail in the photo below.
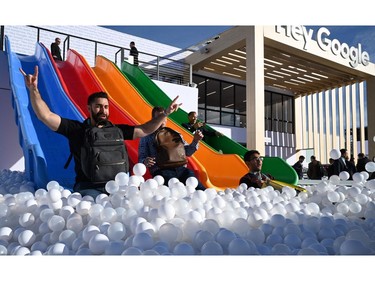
(159, 68)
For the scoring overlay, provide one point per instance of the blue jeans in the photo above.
(181, 173)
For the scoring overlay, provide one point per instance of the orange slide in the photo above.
(216, 170)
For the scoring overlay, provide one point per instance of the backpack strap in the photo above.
(68, 161)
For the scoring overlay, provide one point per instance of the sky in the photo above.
(188, 23)
(181, 36)
(184, 36)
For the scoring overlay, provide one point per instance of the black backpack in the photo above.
(170, 149)
(104, 153)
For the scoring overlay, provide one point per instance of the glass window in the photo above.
(227, 97)
(224, 103)
(213, 117)
(227, 119)
(212, 94)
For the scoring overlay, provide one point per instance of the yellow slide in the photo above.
(216, 170)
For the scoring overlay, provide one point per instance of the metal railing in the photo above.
(156, 67)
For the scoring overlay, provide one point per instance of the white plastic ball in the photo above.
(83, 207)
(370, 167)
(143, 241)
(116, 231)
(172, 181)
(89, 232)
(26, 219)
(166, 211)
(342, 208)
(334, 179)
(335, 154)
(111, 186)
(212, 248)
(26, 238)
(183, 248)
(139, 169)
(56, 223)
(159, 179)
(122, 179)
(134, 180)
(52, 185)
(108, 214)
(344, 175)
(54, 195)
(98, 243)
(358, 177)
(365, 175)
(168, 233)
(5, 233)
(192, 181)
(333, 196)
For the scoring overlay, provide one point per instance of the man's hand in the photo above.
(31, 81)
(198, 124)
(149, 161)
(197, 136)
(173, 106)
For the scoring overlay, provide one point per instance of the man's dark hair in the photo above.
(313, 157)
(95, 96)
(343, 150)
(302, 157)
(156, 109)
(361, 155)
(191, 113)
(249, 153)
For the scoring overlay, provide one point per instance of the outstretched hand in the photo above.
(173, 106)
(31, 80)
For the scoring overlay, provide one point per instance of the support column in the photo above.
(362, 117)
(371, 116)
(354, 120)
(298, 109)
(341, 118)
(255, 123)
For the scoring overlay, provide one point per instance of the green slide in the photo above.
(275, 166)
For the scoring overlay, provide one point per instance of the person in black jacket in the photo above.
(362, 161)
(195, 125)
(254, 178)
(343, 164)
(299, 167)
(133, 52)
(55, 50)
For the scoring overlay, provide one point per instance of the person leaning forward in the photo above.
(98, 109)
(148, 150)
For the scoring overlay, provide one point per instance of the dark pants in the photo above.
(181, 173)
(89, 188)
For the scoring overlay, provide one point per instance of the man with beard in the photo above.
(98, 108)
(255, 178)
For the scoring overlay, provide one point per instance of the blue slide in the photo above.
(45, 151)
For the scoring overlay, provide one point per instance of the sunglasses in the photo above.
(257, 159)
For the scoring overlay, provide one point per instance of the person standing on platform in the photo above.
(55, 49)
(134, 53)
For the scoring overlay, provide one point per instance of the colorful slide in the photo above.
(45, 151)
(216, 170)
(155, 96)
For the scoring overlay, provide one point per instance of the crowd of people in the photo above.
(316, 170)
